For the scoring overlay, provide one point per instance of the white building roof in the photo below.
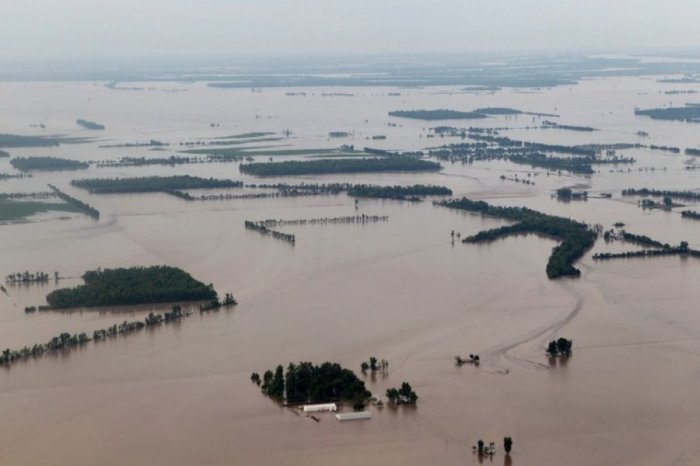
(353, 416)
(320, 407)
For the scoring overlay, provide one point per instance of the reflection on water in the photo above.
(400, 290)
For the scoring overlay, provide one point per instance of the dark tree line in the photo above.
(149, 184)
(397, 192)
(87, 209)
(661, 193)
(316, 167)
(440, 114)
(27, 164)
(689, 113)
(576, 237)
(15, 140)
(90, 124)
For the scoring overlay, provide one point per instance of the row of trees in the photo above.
(263, 230)
(691, 195)
(681, 249)
(85, 208)
(152, 184)
(493, 147)
(362, 218)
(68, 341)
(397, 192)
(27, 164)
(135, 285)
(689, 113)
(329, 166)
(28, 277)
(440, 114)
(576, 237)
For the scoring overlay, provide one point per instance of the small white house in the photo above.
(353, 416)
(320, 408)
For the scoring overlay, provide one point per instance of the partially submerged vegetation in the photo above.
(576, 237)
(689, 195)
(16, 140)
(27, 164)
(327, 166)
(690, 214)
(134, 285)
(264, 230)
(441, 114)
(66, 341)
(489, 146)
(689, 113)
(375, 365)
(149, 184)
(362, 218)
(29, 277)
(12, 210)
(555, 125)
(398, 192)
(567, 194)
(309, 383)
(681, 250)
(560, 347)
(403, 395)
(79, 205)
(91, 125)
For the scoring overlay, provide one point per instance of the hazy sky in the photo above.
(59, 29)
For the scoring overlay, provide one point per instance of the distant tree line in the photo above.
(690, 214)
(397, 192)
(151, 184)
(15, 140)
(27, 164)
(316, 167)
(689, 113)
(441, 114)
(661, 193)
(90, 124)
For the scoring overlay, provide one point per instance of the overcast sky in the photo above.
(37, 30)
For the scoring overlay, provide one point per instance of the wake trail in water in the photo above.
(549, 331)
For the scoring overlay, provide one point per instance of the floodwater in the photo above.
(400, 290)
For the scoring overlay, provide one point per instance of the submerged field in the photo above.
(406, 289)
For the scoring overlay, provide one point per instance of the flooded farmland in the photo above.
(401, 289)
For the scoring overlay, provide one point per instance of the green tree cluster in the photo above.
(135, 285)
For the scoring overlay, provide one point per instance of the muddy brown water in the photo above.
(400, 290)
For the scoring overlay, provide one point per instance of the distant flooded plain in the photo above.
(399, 290)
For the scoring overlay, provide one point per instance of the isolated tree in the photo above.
(392, 394)
(373, 363)
(507, 444)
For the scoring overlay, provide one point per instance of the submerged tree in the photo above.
(507, 444)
